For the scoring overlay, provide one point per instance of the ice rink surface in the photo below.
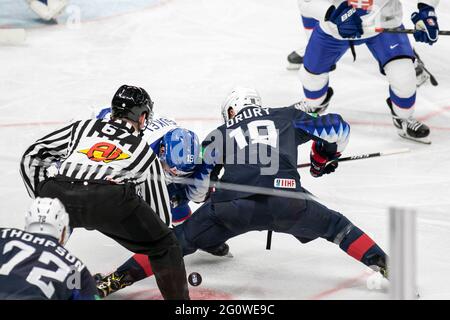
(188, 54)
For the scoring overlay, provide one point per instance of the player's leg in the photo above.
(314, 220)
(205, 230)
(138, 267)
(116, 211)
(321, 55)
(295, 59)
(145, 233)
(396, 58)
(135, 269)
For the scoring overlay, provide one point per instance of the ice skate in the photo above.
(222, 250)
(111, 283)
(410, 128)
(302, 105)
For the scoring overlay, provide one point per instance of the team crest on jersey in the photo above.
(284, 183)
(361, 4)
(104, 152)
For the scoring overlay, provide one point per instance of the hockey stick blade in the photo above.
(12, 36)
(364, 156)
(433, 80)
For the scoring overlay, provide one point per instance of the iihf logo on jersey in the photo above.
(284, 183)
(104, 152)
(361, 4)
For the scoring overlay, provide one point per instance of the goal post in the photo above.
(402, 262)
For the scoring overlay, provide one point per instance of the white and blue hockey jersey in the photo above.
(380, 13)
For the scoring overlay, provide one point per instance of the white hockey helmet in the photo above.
(48, 216)
(239, 98)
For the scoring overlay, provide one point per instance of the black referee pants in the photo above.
(119, 213)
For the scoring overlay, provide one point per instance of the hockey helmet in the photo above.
(239, 98)
(180, 150)
(131, 102)
(49, 217)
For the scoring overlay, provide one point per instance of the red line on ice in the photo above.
(340, 287)
(434, 113)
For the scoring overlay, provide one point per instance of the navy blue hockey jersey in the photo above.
(34, 266)
(259, 147)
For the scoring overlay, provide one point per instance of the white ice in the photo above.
(188, 54)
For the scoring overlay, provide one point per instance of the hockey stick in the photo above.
(269, 240)
(364, 156)
(409, 31)
(269, 232)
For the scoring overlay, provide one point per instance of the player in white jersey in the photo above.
(346, 24)
(48, 9)
(295, 58)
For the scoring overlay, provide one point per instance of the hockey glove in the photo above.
(426, 28)
(321, 163)
(347, 20)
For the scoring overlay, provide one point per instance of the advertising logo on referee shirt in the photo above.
(104, 152)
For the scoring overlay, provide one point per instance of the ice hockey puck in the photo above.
(195, 279)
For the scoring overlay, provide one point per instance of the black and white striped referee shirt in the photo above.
(98, 150)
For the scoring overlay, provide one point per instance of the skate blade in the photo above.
(293, 66)
(425, 140)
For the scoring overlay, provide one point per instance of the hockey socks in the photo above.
(361, 247)
(137, 268)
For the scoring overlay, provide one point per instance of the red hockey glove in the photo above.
(320, 162)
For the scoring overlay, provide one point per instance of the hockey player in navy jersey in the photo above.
(345, 24)
(34, 263)
(247, 197)
(260, 188)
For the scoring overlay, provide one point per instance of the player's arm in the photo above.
(43, 153)
(330, 134)
(199, 188)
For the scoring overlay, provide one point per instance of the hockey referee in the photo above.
(100, 163)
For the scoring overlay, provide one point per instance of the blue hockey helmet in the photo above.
(180, 150)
